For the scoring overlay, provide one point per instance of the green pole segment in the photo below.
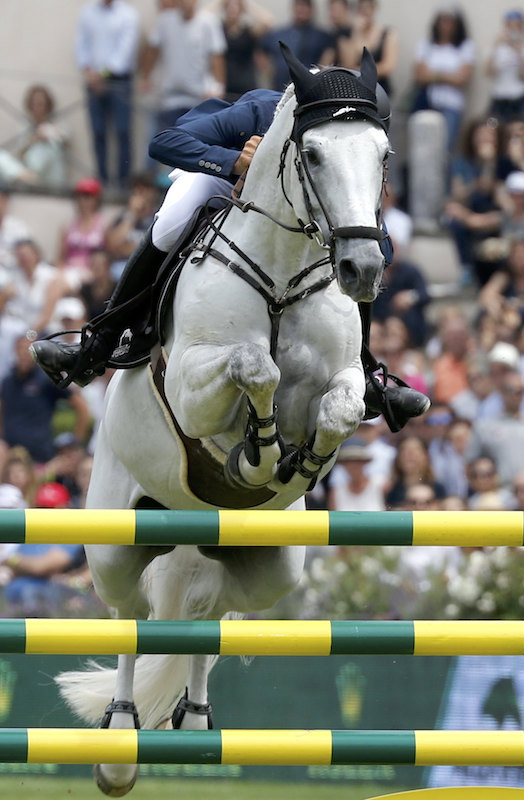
(363, 527)
(179, 747)
(12, 636)
(372, 638)
(14, 746)
(373, 747)
(165, 637)
(12, 528)
(177, 527)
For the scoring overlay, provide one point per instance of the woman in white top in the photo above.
(444, 65)
(505, 67)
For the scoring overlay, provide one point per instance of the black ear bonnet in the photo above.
(336, 94)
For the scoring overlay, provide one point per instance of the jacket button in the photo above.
(219, 169)
(207, 164)
(201, 163)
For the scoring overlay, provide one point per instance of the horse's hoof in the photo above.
(108, 788)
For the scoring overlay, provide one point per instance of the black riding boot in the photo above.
(82, 362)
(398, 403)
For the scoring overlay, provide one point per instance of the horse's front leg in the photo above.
(207, 390)
(341, 411)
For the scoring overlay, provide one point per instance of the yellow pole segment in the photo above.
(276, 747)
(82, 746)
(504, 748)
(91, 636)
(95, 526)
(271, 637)
(270, 527)
(459, 637)
(468, 528)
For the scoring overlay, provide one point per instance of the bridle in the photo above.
(263, 283)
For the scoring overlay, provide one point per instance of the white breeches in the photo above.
(188, 192)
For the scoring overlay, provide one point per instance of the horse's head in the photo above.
(340, 132)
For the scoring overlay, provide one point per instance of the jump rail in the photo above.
(265, 637)
(270, 747)
(256, 528)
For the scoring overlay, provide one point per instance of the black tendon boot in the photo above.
(398, 402)
(81, 363)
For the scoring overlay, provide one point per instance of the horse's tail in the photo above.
(159, 682)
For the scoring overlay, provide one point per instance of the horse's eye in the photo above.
(313, 158)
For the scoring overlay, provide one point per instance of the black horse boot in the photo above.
(398, 403)
(81, 363)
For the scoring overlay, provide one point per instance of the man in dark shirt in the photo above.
(312, 45)
(29, 400)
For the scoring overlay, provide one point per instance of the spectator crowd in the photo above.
(466, 353)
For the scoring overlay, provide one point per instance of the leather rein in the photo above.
(265, 285)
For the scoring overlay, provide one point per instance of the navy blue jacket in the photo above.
(210, 137)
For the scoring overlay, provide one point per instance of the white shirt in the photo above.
(445, 58)
(185, 49)
(12, 230)
(107, 37)
(506, 81)
(371, 499)
(30, 297)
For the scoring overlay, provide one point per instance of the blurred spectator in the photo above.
(372, 431)
(41, 148)
(505, 68)
(63, 467)
(127, 230)
(447, 450)
(474, 175)
(85, 233)
(29, 400)
(513, 146)
(19, 471)
(443, 68)
(421, 497)
(29, 294)
(450, 370)
(503, 360)
(244, 22)
(502, 438)
(32, 592)
(341, 20)
(484, 488)
(12, 230)
(106, 46)
(401, 361)
(411, 466)
(381, 42)
(82, 479)
(466, 404)
(310, 44)
(351, 489)
(504, 292)
(96, 292)
(187, 47)
(404, 293)
(518, 492)
(502, 224)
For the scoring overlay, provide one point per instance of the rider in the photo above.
(211, 147)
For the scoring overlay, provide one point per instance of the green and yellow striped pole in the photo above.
(262, 637)
(270, 747)
(255, 528)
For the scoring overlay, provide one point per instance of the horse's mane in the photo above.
(289, 92)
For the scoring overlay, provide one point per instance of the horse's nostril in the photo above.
(349, 270)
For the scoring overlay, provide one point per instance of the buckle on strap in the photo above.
(185, 706)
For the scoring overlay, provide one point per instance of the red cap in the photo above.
(52, 495)
(88, 186)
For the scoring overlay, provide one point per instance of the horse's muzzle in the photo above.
(360, 282)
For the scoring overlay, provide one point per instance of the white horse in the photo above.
(230, 364)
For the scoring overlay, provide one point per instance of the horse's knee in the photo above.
(252, 369)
